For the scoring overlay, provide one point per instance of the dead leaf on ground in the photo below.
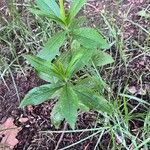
(8, 133)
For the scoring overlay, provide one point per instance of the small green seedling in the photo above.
(70, 74)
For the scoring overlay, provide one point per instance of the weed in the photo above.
(61, 69)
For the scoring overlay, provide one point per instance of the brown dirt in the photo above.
(8, 99)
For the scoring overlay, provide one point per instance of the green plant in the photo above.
(74, 90)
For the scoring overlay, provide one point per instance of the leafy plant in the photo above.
(62, 69)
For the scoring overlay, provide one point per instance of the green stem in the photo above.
(62, 10)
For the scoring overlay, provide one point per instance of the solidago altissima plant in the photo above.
(71, 75)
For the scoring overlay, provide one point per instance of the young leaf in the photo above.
(49, 7)
(39, 94)
(93, 101)
(69, 103)
(59, 71)
(90, 38)
(74, 61)
(51, 48)
(56, 115)
(76, 5)
(81, 57)
(39, 64)
(101, 58)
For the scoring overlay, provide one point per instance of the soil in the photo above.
(30, 136)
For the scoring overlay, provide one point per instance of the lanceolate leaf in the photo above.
(39, 94)
(90, 38)
(69, 103)
(101, 58)
(76, 5)
(51, 48)
(39, 64)
(93, 101)
(48, 6)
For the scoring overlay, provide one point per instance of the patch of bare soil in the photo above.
(9, 99)
(30, 136)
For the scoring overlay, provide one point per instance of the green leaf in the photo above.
(68, 57)
(44, 76)
(62, 10)
(75, 45)
(80, 58)
(83, 108)
(39, 64)
(101, 58)
(51, 48)
(56, 115)
(48, 6)
(45, 14)
(93, 82)
(75, 59)
(85, 82)
(73, 63)
(46, 67)
(47, 77)
(69, 103)
(90, 38)
(65, 58)
(93, 101)
(77, 23)
(59, 71)
(99, 83)
(76, 5)
(39, 94)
